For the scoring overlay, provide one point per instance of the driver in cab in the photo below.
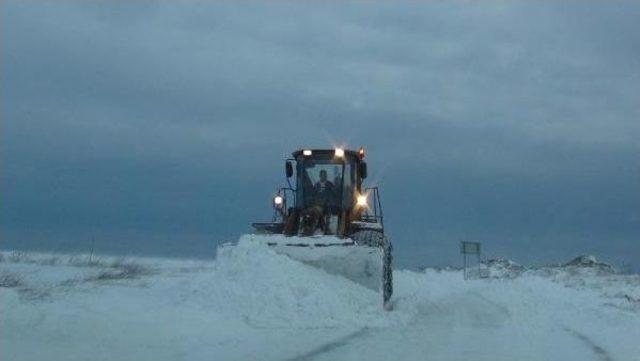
(324, 190)
(322, 198)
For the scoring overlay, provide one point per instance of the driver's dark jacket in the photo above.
(326, 197)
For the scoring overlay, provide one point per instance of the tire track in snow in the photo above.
(328, 347)
(599, 351)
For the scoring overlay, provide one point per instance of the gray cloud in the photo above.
(514, 123)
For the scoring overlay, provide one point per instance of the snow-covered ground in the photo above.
(253, 304)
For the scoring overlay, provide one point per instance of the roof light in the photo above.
(339, 153)
(306, 152)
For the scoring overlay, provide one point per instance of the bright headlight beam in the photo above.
(278, 200)
(361, 200)
(306, 152)
(339, 152)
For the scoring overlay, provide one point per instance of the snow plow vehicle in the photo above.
(328, 219)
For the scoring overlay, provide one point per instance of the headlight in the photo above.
(278, 201)
(306, 152)
(339, 153)
(361, 200)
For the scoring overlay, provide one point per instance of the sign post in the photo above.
(469, 248)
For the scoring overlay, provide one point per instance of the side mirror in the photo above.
(363, 170)
(289, 169)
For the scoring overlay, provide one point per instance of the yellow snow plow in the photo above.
(326, 218)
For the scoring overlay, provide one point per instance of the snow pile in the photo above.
(575, 272)
(255, 304)
(587, 273)
(88, 261)
(589, 262)
(503, 268)
(585, 265)
(9, 279)
(271, 289)
(248, 280)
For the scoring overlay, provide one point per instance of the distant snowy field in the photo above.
(253, 304)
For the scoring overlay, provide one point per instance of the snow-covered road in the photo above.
(252, 304)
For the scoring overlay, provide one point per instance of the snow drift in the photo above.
(252, 303)
(272, 288)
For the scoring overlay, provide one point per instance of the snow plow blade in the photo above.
(358, 259)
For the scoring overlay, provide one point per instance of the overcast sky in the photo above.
(162, 127)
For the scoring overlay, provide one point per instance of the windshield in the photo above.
(325, 183)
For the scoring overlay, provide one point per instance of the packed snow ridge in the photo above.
(589, 261)
(251, 303)
(506, 268)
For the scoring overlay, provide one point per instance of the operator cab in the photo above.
(328, 182)
(325, 195)
(327, 179)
